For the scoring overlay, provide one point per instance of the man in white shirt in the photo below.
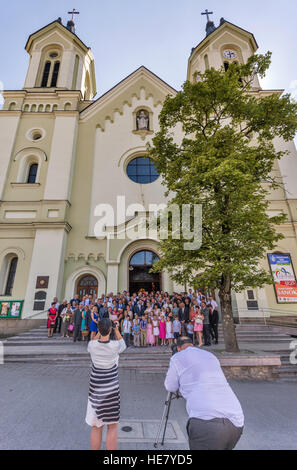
(212, 302)
(215, 415)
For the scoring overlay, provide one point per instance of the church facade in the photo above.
(62, 154)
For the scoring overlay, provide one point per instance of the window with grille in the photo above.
(11, 276)
(142, 170)
(32, 173)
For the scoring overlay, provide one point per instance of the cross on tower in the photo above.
(73, 12)
(207, 13)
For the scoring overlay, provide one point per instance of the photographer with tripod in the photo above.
(215, 415)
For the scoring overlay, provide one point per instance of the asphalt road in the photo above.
(43, 407)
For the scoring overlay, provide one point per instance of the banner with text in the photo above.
(284, 278)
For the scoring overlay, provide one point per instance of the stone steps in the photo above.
(35, 347)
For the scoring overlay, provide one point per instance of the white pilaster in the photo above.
(66, 70)
(61, 162)
(32, 72)
(47, 260)
(112, 278)
(8, 130)
(288, 167)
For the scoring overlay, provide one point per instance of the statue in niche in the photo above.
(143, 121)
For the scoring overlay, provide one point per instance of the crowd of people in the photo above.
(144, 319)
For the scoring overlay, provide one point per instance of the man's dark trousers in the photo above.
(215, 434)
(206, 335)
(214, 324)
(58, 324)
(77, 332)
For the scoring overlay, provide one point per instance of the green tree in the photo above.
(224, 162)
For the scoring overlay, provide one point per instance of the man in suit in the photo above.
(214, 323)
(58, 323)
(206, 325)
(103, 312)
(77, 319)
(183, 316)
(88, 322)
(139, 309)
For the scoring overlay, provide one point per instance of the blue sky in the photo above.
(124, 34)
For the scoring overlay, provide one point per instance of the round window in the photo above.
(34, 135)
(53, 55)
(142, 170)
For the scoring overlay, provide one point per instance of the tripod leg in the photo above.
(166, 419)
(165, 413)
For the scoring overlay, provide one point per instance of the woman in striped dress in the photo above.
(104, 392)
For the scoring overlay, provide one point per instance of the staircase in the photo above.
(35, 347)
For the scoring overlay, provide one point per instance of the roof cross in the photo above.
(207, 13)
(73, 12)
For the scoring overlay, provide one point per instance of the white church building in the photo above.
(62, 153)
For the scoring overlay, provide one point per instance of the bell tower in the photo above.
(222, 45)
(60, 60)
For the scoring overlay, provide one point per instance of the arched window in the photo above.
(32, 173)
(140, 277)
(46, 73)
(11, 276)
(87, 94)
(50, 66)
(55, 74)
(87, 285)
(226, 66)
(206, 62)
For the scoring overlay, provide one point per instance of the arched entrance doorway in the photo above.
(139, 272)
(87, 285)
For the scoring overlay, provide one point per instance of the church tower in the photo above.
(60, 60)
(222, 45)
(38, 140)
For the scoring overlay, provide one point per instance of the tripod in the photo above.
(171, 396)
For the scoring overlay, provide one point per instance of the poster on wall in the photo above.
(12, 309)
(15, 310)
(284, 278)
(4, 309)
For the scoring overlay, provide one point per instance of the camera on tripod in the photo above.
(174, 349)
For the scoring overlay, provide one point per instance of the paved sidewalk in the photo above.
(43, 407)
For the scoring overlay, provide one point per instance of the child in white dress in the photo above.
(169, 331)
(156, 330)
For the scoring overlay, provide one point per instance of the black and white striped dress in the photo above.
(104, 391)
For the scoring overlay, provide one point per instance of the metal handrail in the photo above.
(35, 315)
(266, 312)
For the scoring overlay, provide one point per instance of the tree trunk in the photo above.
(230, 339)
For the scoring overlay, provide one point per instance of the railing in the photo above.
(34, 315)
(263, 313)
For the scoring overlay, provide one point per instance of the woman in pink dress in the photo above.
(150, 339)
(198, 327)
(162, 330)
